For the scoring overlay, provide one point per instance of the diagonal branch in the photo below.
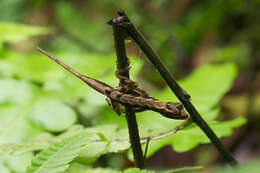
(176, 89)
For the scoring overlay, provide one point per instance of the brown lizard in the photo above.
(114, 96)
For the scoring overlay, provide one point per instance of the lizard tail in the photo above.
(60, 63)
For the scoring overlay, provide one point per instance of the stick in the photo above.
(123, 68)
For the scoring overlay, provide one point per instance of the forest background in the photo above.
(211, 47)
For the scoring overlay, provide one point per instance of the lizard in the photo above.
(140, 102)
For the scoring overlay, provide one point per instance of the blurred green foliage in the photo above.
(42, 107)
(252, 166)
(12, 32)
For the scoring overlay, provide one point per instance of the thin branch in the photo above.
(146, 147)
(175, 87)
(123, 69)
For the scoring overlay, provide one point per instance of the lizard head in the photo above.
(175, 111)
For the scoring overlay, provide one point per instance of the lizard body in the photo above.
(168, 109)
(143, 102)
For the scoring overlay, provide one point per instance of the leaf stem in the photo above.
(175, 87)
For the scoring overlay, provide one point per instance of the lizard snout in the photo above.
(179, 112)
(179, 106)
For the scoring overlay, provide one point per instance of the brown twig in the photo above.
(123, 69)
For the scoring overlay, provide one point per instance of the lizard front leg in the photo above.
(130, 86)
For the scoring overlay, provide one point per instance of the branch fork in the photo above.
(182, 95)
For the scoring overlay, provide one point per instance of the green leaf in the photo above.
(71, 131)
(17, 163)
(14, 32)
(15, 91)
(128, 41)
(250, 166)
(136, 170)
(16, 99)
(101, 145)
(52, 115)
(193, 169)
(80, 168)
(56, 158)
(206, 86)
(39, 142)
(97, 146)
(19, 148)
(4, 169)
(13, 125)
(107, 140)
(94, 150)
(22, 107)
(192, 135)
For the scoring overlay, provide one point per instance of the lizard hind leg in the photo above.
(114, 105)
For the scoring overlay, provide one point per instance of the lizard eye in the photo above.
(179, 106)
(107, 91)
(171, 105)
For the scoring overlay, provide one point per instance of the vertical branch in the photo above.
(175, 87)
(123, 70)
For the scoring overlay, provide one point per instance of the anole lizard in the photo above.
(168, 109)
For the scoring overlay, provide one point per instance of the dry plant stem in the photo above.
(123, 66)
(177, 90)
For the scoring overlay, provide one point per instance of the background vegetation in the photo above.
(211, 47)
